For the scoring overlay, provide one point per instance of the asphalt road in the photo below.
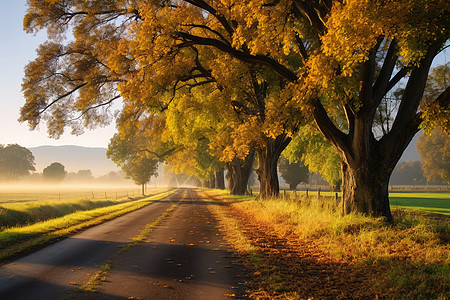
(183, 258)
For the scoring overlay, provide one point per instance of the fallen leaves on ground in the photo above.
(292, 268)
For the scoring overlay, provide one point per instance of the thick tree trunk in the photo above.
(267, 174)
(143, 189)
(239, 173)
(267, 171)
(365, 189)
(219, 180)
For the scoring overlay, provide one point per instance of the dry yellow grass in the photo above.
(409, 258)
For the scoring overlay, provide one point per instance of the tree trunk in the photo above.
(239, 173)
(143, 189)
(212, 181)
(365, 189)
(220, 180)
(267, 171)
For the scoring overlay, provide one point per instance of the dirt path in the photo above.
(183, 259)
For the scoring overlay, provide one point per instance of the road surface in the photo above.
(183, 258)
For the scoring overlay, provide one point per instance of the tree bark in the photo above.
(365, 188)
(239, 173)
(268, 171)
(212, 181)
(219, 180)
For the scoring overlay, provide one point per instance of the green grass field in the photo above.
(432, 202)
(20, 206)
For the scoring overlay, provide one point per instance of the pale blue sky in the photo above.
(16, 49)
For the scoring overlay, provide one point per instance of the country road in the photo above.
(182, 258)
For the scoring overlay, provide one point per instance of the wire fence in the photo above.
(69, 195)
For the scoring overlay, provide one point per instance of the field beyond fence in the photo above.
(21, 205)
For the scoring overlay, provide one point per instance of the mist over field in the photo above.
(74, 158)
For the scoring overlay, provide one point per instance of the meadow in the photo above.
(432, 202)
(21, 205)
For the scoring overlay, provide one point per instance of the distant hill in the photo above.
(74, 158)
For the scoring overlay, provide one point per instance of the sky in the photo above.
(17, 48)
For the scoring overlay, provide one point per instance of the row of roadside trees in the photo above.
(213, 85)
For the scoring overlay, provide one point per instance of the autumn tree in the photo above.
(435, 152)
(136, 165)
(310, 148)
(293, 173)
(15, 161)
(330, 59)
(55, 172)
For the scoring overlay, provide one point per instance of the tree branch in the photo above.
(160, 156)
(203, 5)
(367, 77)
(97, 106)
(397, 77)
(62, 96)
(326, 126)
(258, 59)
(211, 30)
(382, 82)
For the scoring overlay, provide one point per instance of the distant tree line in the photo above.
(17, 162)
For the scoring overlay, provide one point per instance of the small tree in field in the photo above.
(55, 172)
(293, 173)
(136, 165)
(15, 161)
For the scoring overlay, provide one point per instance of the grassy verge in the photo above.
(19, 239)
(409, 259)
